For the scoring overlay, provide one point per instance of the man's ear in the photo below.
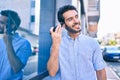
(63, 25)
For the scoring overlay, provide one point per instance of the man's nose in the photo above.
(76, 20)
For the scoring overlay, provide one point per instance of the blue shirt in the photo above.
(22, 49)
(79, 59)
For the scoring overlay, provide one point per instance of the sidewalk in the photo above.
(111, 75)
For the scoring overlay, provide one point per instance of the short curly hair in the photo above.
(62, 10)
(13, 17)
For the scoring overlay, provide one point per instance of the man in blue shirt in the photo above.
(74, 56)
(14, 50)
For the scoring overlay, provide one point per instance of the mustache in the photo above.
(75, 24)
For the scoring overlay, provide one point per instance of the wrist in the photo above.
(56, 45)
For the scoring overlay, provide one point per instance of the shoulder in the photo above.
(88, 40)
(21, 40)
(25, 42)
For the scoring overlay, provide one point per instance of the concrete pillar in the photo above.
(47, 20)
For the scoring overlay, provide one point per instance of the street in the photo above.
(115, 67)
(31, 67)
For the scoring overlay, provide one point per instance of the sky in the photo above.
(109, 17)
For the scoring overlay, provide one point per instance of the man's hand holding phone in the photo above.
(52, 65)
(56, 35)
(7, 35)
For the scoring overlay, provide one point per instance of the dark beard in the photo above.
(71, 30)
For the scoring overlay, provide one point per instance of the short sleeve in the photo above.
(98, 61)
(24, 52)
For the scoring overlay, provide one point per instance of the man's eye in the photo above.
(76, 16)
(69, 19)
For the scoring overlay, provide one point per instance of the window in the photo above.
(32, 18)
(32, 4)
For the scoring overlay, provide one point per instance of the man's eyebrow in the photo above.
(69, 18)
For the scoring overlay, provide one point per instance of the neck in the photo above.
(74, 36)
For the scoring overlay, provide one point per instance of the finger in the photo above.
(51, 29)
(58, 28)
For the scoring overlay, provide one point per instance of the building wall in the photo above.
(37, 16)
(92, 14)
(22, 7)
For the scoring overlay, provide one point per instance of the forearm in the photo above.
(52, 64)
(101, 75)
(15, 62)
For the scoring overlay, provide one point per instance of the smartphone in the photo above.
(56, 26)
